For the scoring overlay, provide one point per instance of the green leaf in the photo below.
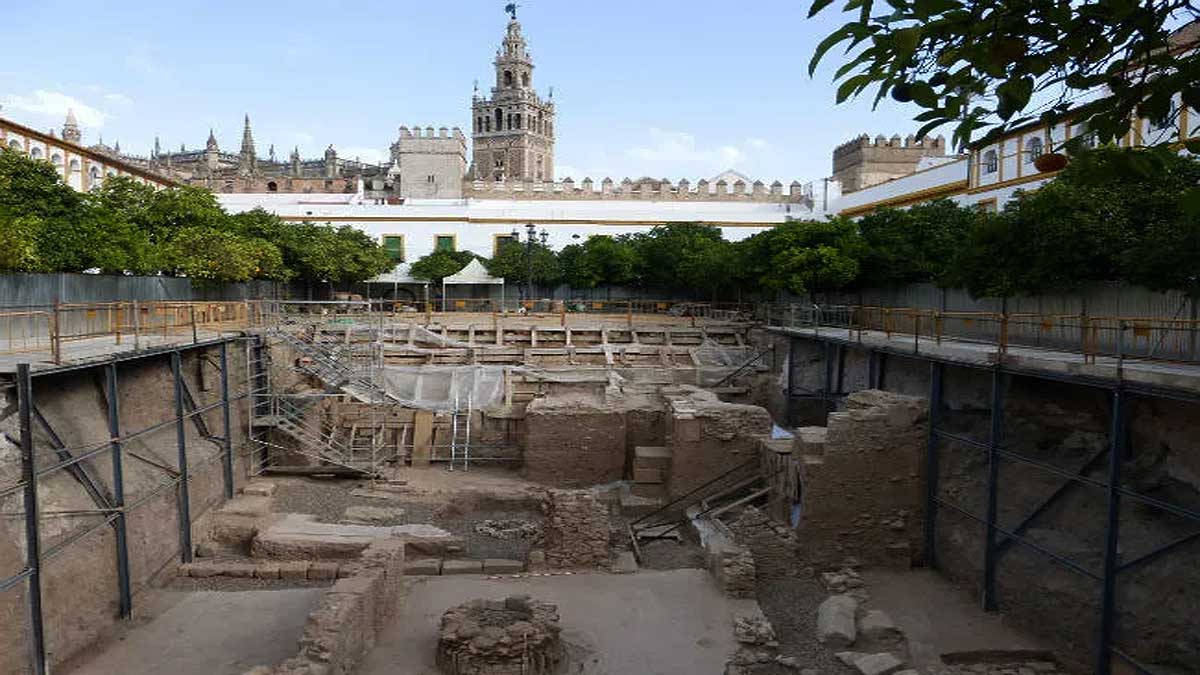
(1190, 203)
(817, 6)
(923, 95)
(853, 86)
(825, 45)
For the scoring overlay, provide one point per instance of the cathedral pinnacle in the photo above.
(211, 144)
(70, 130)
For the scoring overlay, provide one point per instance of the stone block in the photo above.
(293, 571)
(878, 664)
(425, 567)
(247, 505)
(374, 515)
(239, 570)
(835, 621)
(200, 570)
(259, 488)
(267, 571)
(502, 566)
(462, 567)
(877, 625)
(649, 476)
(320, 571)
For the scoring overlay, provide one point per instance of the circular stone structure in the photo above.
(513, 636)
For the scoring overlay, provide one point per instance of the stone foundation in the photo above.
(576, 531)
(513, 636)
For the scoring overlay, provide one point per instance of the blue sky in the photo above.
(664, 88)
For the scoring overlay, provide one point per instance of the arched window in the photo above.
(15, 145)
(110, 173)
(499, 119)
(519, 121)
(525, 80)
(1033, 150)
(272, 186)
(74, 166)
(478, 124)
(35, 153)
(94, 177)
(508, 80)
(990, 162)
(510, 124)
(487, 124)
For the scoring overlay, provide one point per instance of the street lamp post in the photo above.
(532, 237)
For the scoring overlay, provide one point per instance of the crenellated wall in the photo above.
(643, 189)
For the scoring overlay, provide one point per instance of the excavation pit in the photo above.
(513, 636)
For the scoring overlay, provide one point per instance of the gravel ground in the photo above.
(791, 605)
(329, 499)
(666, 554)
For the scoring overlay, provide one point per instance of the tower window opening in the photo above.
(519, 121)
(525, 80)
(508, 78)
(499, 119)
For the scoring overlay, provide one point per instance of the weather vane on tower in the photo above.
(511, 8)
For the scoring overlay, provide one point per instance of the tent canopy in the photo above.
(473, 273)
(401, 274)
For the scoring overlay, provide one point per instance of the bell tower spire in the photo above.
(513, 137)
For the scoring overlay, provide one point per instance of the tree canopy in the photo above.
(993, 64)
(123, 226)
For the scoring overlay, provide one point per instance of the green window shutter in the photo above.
(395, 248)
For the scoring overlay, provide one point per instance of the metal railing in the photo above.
(50, 329)
(1090, 337)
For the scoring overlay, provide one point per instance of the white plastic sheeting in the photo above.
(446, 388)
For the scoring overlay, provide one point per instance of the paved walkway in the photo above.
(211, 633)
(1183, 376)
(649, 623)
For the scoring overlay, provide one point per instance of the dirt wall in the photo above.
(708, 437)
(574, 443)
(79, 581)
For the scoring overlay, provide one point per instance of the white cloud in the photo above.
(681, 153)
(54, 105)
(364, 154)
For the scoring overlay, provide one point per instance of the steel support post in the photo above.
(226, 423)
(124, 594)
(33, 547)
(183, 498)
(827, 389)
(791, 383)
(1108, 599)
(931, 463)
(990, 544)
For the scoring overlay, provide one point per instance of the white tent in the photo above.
(401, 275)
(473, 273)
